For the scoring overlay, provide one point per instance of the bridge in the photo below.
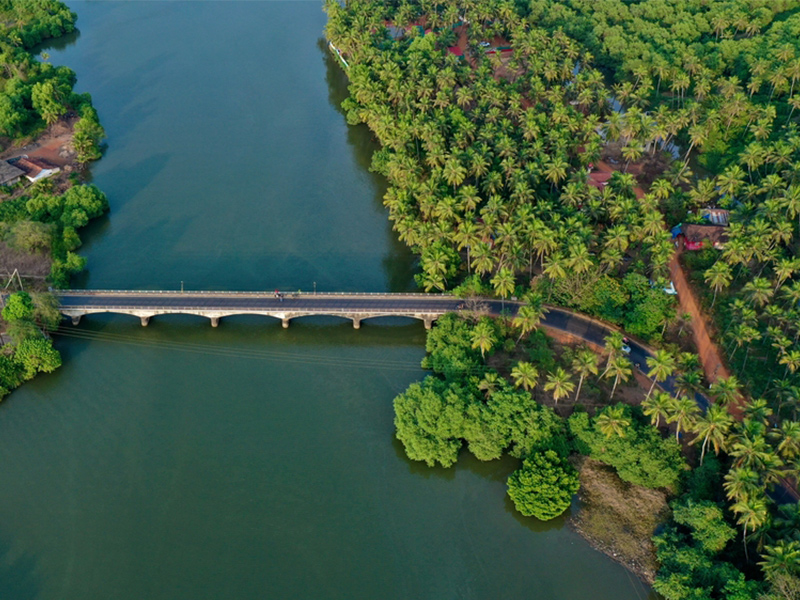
(356, 307)
(217, 305)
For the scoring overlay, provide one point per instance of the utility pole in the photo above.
(315, 288)
(181, 287)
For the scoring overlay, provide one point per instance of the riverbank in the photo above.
(51, 134)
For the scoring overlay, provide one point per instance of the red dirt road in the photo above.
(709, 354)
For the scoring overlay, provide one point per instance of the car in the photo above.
(626, 349)
(484, 44)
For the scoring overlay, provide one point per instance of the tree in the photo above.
(48, 100)
(684, 413)
(752, 514)
(657, 406)
(584, 363)
(503, 283)
(707, 523)
(19, 306)
(483, 336)
(781, 558)
(620, 369)
(543, 487)
(529, 316)
(525, 374)
(88, 135)
(36, 355)
(429, 419)
(719, 277)
(662, 365)
(712, 427)
(559, 383)
(612, 421)
(642, 457)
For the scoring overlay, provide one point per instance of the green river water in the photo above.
(248, 461)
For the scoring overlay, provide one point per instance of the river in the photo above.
(179, 461)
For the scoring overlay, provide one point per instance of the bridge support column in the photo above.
(428, 322)
(76, 320)
(214, 321)
(285, 323)
(145, 321)
(356, 323)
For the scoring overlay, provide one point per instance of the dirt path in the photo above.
(55, 145)
(710, 355)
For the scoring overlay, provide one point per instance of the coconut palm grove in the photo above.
(579, 153)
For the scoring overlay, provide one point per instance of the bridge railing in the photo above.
(245, 309)
(240, 293)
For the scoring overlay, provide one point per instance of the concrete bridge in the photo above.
(216, 305)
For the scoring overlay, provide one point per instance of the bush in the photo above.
(641, 457)
(543, 487)
(18, 306)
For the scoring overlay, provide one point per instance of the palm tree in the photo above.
(783, 557)
(759, 290)
(684, 413)
(559, 383)
(454, 172)
(753, 514)
(712, 427)
(525, 375)
(488, 384)
(483, 336)
(719, 277)
(613, 421)
(725, 390)
(529, 316)
(662, 365)
(583, 364)
(657, 406)
(789, 435)
(741, 483)
(503, 283)
(619, 367)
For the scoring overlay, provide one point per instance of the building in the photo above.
(696, 237)
(716, 216)
(9, 174)
(35, 168)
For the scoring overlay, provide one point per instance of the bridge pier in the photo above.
(76, 320)
(428, 322)
(356, 323)
(145, 321)
(285, 323)
(214, 321)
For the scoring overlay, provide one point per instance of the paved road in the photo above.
(562, 320)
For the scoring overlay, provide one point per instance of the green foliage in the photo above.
(429, 419)
(707, 524)
(641, 457)
(88, 135)
(449, 347)
(543, 487)
(36, 355)
(19, 306)
(46, 311)
(31, 236)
